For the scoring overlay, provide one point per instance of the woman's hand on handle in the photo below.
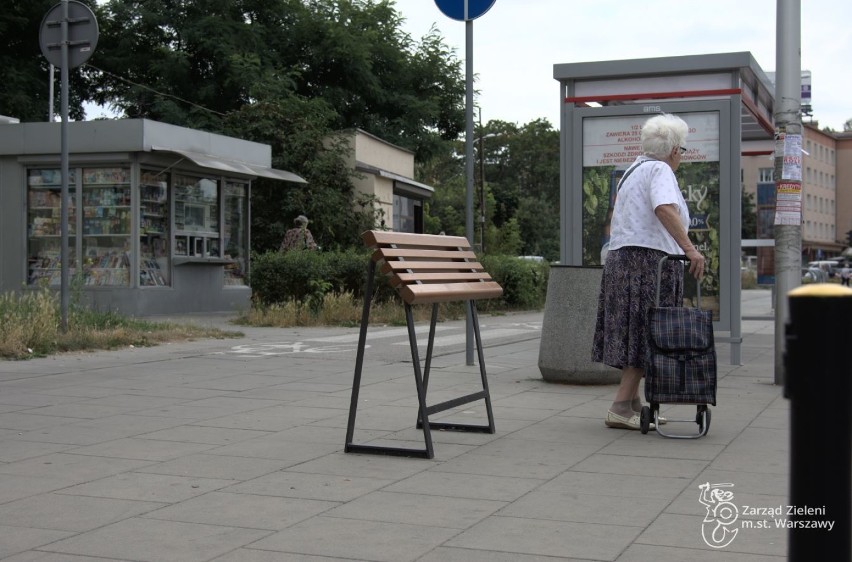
(670, 218)
(696, 262)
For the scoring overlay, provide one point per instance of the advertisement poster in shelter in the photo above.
(611, 144)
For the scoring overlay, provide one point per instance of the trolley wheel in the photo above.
(702, 418)
(645, 420)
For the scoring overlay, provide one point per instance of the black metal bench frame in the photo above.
(421, 379)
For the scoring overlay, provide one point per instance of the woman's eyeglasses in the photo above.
(683, 150)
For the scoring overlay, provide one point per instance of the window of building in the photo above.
(236, 232)
(44, 196)
(154, 262)
(106, 221)
(765, 175)
(196, 216)
(99, 235)
(407, 214)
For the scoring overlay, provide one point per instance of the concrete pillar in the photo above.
(570, 312)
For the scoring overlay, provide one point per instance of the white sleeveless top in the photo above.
(634, 223)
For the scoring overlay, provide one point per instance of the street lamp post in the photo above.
(481, 197)
(482, 189)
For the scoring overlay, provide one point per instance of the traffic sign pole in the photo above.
(65, 254)
(467, 11)
(83, 37)
(468, 161)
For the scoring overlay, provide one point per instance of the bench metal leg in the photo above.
(481, 357)
(359, 358)
(484, 394)
(421, 382)
(349, 446)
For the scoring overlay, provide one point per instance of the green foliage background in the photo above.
(279, 278)
(596, 187)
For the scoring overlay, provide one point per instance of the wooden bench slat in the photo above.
(442, 276)
(444, 292)
(373, 238)
(427, 268)
(414, 253)
(431, 266)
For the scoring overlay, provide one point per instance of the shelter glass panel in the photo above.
(611, 144)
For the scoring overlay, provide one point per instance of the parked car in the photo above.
(829, 266)
(813, 275)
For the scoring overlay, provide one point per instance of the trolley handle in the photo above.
(677, 257)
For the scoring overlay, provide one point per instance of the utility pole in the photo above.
(788, 167)
(481, 189)
(467, 11)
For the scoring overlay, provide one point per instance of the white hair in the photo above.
(662, 133)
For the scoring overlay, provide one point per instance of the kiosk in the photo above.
(158, 216)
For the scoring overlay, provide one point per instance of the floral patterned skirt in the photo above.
(628, 289)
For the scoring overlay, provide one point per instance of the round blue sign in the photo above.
(464, 10)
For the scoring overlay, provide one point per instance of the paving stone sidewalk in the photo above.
(232, 450)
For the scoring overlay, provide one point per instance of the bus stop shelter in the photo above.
(727, 101)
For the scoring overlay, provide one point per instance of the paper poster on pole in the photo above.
(788, 203)
(792, 163)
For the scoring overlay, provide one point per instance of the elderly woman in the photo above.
(650, 220)
(298, 237)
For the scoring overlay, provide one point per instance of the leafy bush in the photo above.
(307, 277)
(524, 282)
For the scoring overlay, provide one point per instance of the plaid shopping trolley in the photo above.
(680, 367)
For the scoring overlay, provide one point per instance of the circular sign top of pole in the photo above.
(464, 10)
(82, 34)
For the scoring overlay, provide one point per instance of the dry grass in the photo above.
(30, 327)
(342, 310)
(26, 321)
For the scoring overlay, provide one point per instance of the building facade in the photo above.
(385, 172)
(826, 189)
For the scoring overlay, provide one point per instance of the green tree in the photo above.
(25, 88)
(209, 56)
(521, 183)
(288, 73)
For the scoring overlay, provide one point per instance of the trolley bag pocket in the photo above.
(681, 363)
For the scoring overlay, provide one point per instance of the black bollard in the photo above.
(818, 382)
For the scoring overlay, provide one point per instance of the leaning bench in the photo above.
(424, 269)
